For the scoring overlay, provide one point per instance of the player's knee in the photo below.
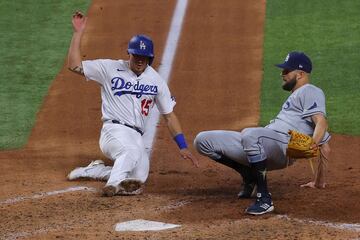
(247, 132)
(136, 153)
(201, 143)
(247, 136)
(198, 141)
(131, 153)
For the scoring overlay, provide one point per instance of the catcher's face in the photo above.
(138, 63)
(290, 78)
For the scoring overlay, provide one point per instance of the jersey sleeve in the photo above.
(95, 70)
(164, 101)
(313, 102)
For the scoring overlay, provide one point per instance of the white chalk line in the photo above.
(341, 226)
(175, 205)
(13, 236)
(25, 234)
(178, 204)
(165, 68)
(46, 194)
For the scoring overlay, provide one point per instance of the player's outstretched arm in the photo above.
(74, 54)
(321, 126)
(176, 132)
(319, 132)
(319, 181)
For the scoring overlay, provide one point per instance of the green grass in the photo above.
(35, 36)
(329, 32)
(33, 44)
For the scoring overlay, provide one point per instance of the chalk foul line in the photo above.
(165, 68)
(342, 226)
(46, 194)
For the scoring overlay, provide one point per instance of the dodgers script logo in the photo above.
(121, 87)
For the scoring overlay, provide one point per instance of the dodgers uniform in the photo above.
(127, 100)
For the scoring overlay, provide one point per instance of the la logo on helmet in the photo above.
(142, 45)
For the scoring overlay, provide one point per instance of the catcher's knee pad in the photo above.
(203, 144)
(199, 143)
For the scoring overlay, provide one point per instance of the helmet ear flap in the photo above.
(141, 45)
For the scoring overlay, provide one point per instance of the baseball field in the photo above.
(222, 77)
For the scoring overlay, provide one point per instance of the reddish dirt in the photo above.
(216, 80)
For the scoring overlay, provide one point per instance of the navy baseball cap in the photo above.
(296, 61)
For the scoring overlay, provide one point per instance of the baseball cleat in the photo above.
(127, 187)
(262, 205)
(249, 191)
(109, 191)
(90, 171)
(130, 186)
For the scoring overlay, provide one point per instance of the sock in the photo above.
(259, 171)
(244, 171)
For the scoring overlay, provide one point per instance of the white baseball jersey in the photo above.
(126, 96)
(297, 110)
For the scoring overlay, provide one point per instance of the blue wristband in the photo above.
(180, 141)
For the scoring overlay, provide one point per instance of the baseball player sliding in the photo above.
(253, 151)
(129, 91)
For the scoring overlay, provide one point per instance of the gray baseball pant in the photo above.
(251, 145)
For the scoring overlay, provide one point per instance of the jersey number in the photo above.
(145, 106)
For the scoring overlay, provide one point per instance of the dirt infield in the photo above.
(216, 80)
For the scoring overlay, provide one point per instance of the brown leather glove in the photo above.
(299, 146)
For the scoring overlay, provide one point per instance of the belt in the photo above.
(128, 125)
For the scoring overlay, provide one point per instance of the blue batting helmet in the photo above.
(142, 45)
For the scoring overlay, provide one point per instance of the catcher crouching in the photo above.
(298, 131)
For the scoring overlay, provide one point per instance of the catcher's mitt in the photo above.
(299, 146)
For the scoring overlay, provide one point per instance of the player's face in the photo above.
(290, 79)
(138, 63)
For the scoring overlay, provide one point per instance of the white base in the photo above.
(143, 225)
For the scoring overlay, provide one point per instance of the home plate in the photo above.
(143, 225)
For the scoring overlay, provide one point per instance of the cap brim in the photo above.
(284, 66)
(140, 52)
